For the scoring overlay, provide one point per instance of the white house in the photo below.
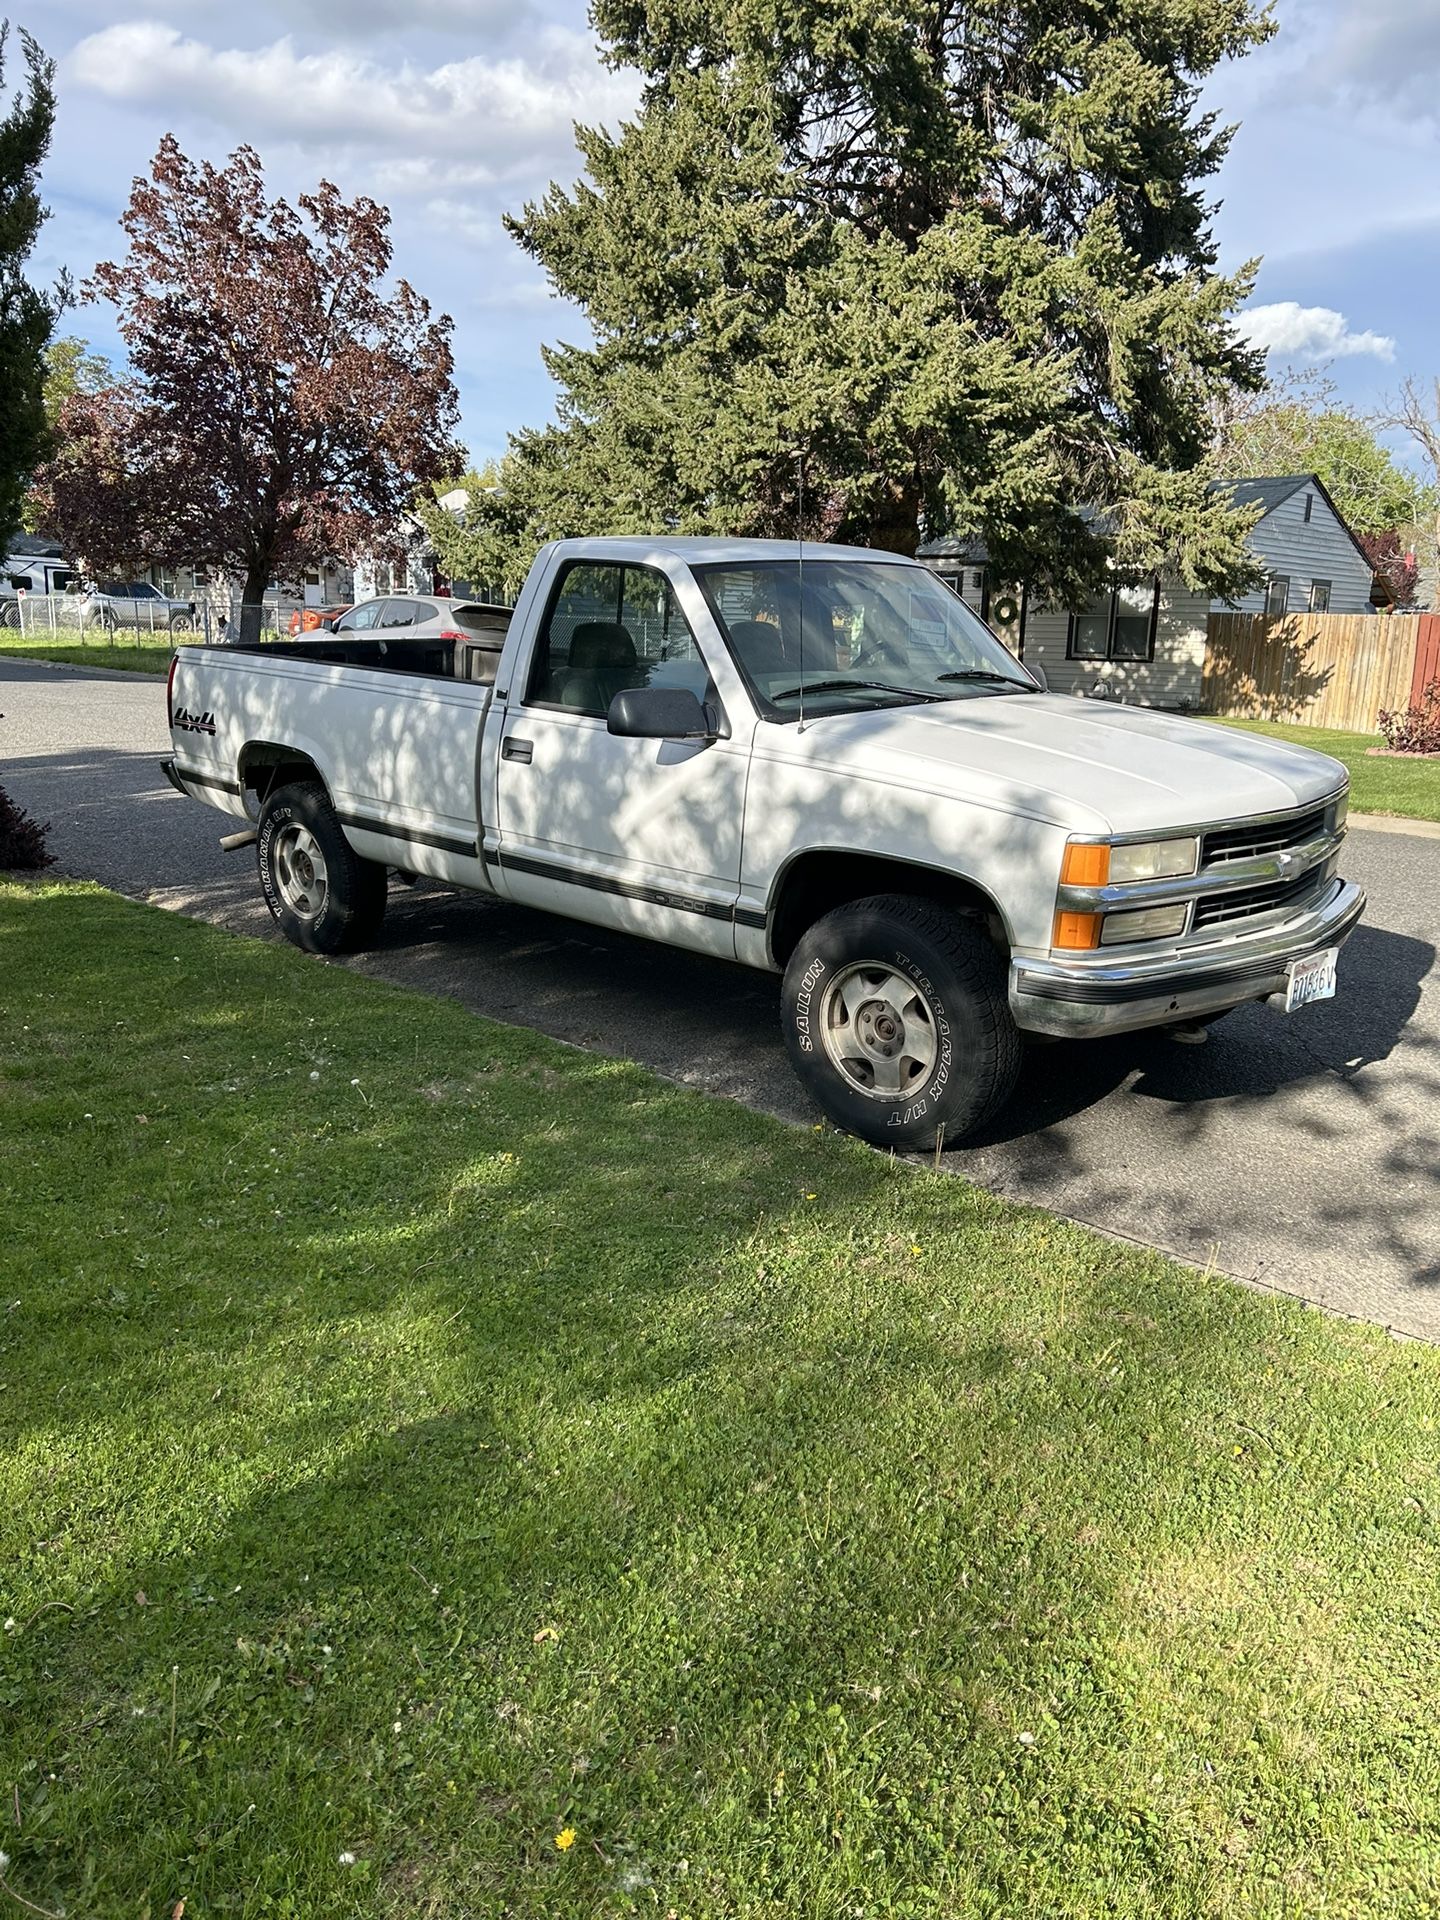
(1147, 643)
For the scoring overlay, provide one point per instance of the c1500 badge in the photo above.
(189, 722)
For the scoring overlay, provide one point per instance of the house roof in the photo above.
(34, 546)
(1267, 491)
(968, 549)
(1270, 492)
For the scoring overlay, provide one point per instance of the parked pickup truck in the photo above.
(821, 764)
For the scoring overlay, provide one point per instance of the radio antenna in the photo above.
(800, 570)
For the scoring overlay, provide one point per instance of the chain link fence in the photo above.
(116, 620)
(110, 621)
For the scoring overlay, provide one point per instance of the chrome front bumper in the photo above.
(1097, 994)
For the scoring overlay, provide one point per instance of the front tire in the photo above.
(897, 1021)
(320, 893)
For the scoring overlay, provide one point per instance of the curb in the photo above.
(1395, 823)
(77, 666)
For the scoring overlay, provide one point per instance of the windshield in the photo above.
(869, 633)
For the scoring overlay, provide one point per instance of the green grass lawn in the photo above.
(447, 1474)
(130, 652)
(1409, 787)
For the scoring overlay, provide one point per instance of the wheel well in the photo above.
(817, 882)
(265, 766)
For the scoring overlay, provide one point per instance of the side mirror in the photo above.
(1037, 673)
(658, 713)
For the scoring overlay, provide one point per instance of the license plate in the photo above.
(1312, 978)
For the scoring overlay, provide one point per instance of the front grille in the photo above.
(1245, 903)
(1262, 836)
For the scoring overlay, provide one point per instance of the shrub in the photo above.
(1416, 729)
(22, 840)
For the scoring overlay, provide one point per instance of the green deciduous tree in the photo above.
(70, 368)
(1300, 425)
(27, 317)
(941, 263)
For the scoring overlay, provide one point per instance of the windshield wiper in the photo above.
(989, 673)
(846, 686)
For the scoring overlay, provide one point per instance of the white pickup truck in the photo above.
(820, 763)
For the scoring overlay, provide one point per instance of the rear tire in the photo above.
(897, 1020)
(321, 894)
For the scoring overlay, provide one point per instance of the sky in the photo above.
(455, 111)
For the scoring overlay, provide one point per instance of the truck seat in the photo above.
(759, 645)
(602, 664)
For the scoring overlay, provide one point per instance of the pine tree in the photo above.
(27, 317)
(947, 263)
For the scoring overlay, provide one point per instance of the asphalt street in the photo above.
(1301, 1153)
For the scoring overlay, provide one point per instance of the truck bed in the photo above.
(474, 658)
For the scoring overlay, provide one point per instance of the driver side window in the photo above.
(609, 628)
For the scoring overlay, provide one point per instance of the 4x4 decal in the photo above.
(189, 722)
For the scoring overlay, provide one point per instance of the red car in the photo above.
(312, 619)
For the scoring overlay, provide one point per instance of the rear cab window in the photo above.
(482, 619)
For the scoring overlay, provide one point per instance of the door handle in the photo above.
(513, 749)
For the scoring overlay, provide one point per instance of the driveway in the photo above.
(1302, 1154)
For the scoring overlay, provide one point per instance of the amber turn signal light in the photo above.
(1079, 932)
(1085, 866)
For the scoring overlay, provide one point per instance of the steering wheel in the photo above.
(881, 654)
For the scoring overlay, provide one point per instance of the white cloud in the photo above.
(473, 121)
(1310, 333)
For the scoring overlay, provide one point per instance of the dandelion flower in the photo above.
(565, 1839)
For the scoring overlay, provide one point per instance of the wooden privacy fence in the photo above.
(1320, 669)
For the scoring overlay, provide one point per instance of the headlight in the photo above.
(1090, 863)
(1342, 811)
(1154, 860)
(1152, 923)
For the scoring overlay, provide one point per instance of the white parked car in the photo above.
(823, 765)
(411, 617)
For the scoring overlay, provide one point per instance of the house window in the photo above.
(1309, 507)
(1119, 625)
(1277, 594)
(1319, 596)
